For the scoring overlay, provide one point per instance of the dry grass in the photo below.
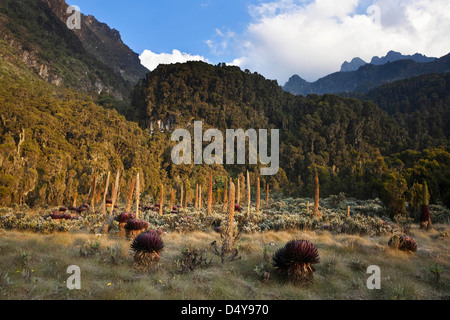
(107, 273)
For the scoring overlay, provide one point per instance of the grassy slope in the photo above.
(341, 273)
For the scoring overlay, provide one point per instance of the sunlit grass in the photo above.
(107, 272)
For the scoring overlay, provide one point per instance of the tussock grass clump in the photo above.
(295, 260)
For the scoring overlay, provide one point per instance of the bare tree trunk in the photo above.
(317, 213)
(225, 197)
(186, 197)
(348, 212)
(210, 198)
(161, 201)
(138, 194)
(249, 196)
(267, 195)
(130, 195)
(105, 194)
(258, 195)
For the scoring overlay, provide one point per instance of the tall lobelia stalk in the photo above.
(130, 195)
(225, 196)
(74, 205)
(105, 194)
(138, 195)
(228, 252)
(188, 195)
(110, 217)
(230, 223)
(172, 199)
(94, 186)
(317, 213)
(196, 197)
(238, 195)
(425, 213)
(258, 195)
(200, 203)
(181, 194)
(249, 197)
(161, 201)
(116, 191)
(210, 198)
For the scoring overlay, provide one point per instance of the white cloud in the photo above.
(219, 44)
(313, 38)
(151, 60)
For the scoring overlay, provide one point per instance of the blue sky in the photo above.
(164, 25)
(276, 38)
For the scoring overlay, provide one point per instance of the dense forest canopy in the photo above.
(351, 140)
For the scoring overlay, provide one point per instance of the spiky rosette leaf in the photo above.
(403, 242)
(56, 216)
(136, 224)
(295, 260)
(296, 251)
(124, 217)
(147, 247)
(158, 232)
(149, 241)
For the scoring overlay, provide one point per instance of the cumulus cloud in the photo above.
(151, 60)
(312, 38)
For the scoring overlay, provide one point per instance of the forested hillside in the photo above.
(60, 126)
(53, 141)
(350, 140)
(420, 104)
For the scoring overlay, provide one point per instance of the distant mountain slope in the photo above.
(104, 43)
(55, 52)
(391, 56)
(369, 77)
(353, 65)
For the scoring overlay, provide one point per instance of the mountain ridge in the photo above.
(369, 76)
(391, 56)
